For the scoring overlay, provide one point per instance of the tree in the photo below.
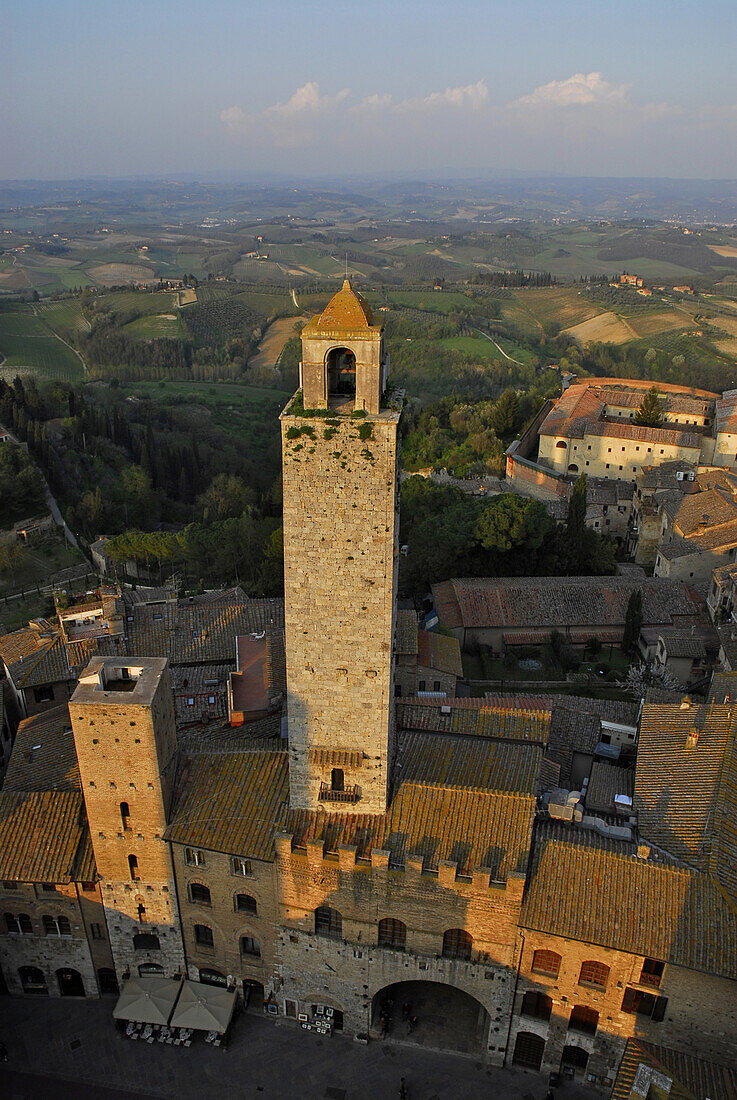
(650, 412)
(505, 415)
(576, 521)
(632, 621)
(512, 522)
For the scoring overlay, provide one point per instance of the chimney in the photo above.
(693, 738)
(685, 703)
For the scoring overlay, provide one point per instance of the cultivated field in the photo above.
(273, 342)
(605, 328)
(560, 305)
(155, 325)
(113, 273)
(28, 345)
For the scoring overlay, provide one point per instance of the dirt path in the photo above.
(509, 357)
(272, 342)
(58, 337)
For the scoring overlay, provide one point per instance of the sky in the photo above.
(462, 89)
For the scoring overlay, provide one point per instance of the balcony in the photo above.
(348, 794)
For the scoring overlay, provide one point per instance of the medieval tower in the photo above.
(123, 721)
(339, 450)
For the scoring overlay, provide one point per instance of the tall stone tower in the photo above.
(339, 450)
(122, 716)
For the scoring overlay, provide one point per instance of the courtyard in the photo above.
(58, 1048)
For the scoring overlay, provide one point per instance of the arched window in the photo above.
(18, 923)
(537, 1004)
(546, 962)
(572, 468)
(25, 924)
(199, 893)
(457, 944)
(328, 922)
(392, 933)
(583, 1019)
(146, 941)
(133, 868)
(594, 973)
(56, 926)
(125, 815)
(32, 980)
(561, 444)
(244, 903)
(250, 946)
(341, 364)
(203, 936)
(528, 1050)
(149, 968)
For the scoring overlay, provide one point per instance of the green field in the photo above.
(140, 301)
(64, 317)
(472, 345)
(26, 341)
(155, 325)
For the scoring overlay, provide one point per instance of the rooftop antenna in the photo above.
(346, 265)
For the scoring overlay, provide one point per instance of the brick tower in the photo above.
(339, 450)
(122, 715)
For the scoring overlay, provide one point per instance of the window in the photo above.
(436, 685)
(203, 936)
(561, 444)
(49, 888)
(96, 931)
(583, 1019)
(457, 944)
(88, 887)
(199, 894)
(10, 886)
(528, 1050)
(149, 968)
(244, 903)
(537, 1004)
(392, 933)
(19, 924)
(33, 980)
(337, 780)
(146, 941)
(133, 868)
(652, 972)
(546, 962)
(125, 815)
(397, 691)
(193, 857)
(56, 926)
(250, 946)
(594, 973)
(644, 1004)
(328, 922)
(240, 866)
(421, 685)
(44, 694)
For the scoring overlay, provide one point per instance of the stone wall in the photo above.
(340, 563)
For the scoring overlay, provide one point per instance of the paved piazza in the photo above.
(60, 1049)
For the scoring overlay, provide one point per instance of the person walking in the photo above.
(403, 1094)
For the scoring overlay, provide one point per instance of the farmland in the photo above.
(28, 344)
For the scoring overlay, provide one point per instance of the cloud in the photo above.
(581, 89)
(285, 123)
(466, 96)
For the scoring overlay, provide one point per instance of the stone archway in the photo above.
(442, 1016)
(341, 371)
(70, 983)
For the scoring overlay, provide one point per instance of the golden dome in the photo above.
(346, 309)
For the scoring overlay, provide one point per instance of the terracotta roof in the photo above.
(691, 1078)
(200, 684)
(726, 412)
(230, 802)
(697, 512)
(405, 637)
(221, 737)
(43, 837)
(679, 643)
(473, 828)
(517, 603)
(482, 720)
(686, 784)
(672, 436)
(346, 310)
(606, 781)
(44, 757)
(437, 651)
(588, 888)
(473, 763)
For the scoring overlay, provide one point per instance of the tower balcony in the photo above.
(348, 794)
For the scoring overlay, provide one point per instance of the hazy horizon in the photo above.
(482, 91)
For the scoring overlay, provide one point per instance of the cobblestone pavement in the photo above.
(55, 1043)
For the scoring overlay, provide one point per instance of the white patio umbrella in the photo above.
(204, 1007)
(148, 1000)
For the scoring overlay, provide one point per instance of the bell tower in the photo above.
(339, 451)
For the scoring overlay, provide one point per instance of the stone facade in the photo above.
(341, 530)
(692, 999)
(126, 748)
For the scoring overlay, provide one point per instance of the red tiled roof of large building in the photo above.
(439, 652)
(688, 1075)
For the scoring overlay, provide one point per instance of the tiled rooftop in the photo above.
(439, 652)
(44, 837)
(405, 638)
(44, 757)
(473, 763)
(691, 1077)
(588, 888)
(606, 781)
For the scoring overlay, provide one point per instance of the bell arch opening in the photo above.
(431, 1014)
(341, 373)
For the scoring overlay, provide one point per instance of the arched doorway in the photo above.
(440, 1016)
(254, 995)
(573, 1062)
(528, 1050)
(33, 980)
(70, 983)
(107, 982)
(341, 366)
